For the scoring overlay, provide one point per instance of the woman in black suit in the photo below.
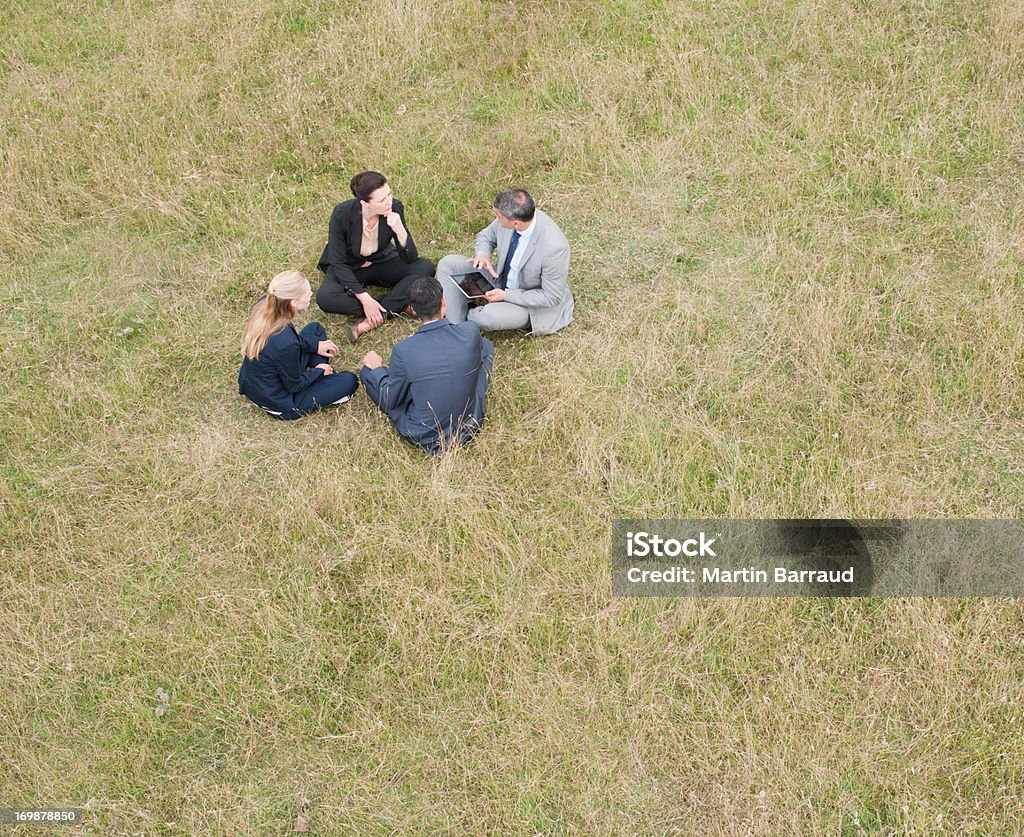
(285, 372)
(369, 243)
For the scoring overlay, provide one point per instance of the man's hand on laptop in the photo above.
(495, 295)
(481, 261)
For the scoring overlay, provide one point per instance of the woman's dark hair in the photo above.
(366, 183)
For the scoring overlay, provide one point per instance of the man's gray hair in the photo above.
(515, 204)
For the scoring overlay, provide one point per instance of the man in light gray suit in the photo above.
(531, 283)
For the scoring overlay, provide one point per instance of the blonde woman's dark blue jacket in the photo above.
(284, 379)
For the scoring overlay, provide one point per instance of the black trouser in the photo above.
(394, 274)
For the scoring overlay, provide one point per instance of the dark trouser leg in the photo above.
(396, 275)
(318, 333)
(390, 273)
(397, 298)
(323, 392)
(332, 296)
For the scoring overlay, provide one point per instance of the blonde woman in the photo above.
(285, 372)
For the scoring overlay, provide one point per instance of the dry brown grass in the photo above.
(796, 252)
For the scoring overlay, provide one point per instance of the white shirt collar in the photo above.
(529, 230)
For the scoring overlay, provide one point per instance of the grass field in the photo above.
(797, 256)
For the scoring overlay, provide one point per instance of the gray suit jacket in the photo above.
(543, 273)
(436, 387)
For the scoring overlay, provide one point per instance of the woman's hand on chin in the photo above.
(394, 220)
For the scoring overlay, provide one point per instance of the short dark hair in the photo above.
(515, 204)
(425, 297)
(366, 183)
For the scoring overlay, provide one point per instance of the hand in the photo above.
(372, 360)
(495, 295)
(326, 367)
(481, 260)
(372, 309)
(394, 220)
(326, 348)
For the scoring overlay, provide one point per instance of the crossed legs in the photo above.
(494, 316)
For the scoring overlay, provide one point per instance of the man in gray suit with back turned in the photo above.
(531, 283)
(435, 392)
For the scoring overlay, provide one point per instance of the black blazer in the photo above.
(274, 378)
(345, 235)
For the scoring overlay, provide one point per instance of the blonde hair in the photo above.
(274, 312)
